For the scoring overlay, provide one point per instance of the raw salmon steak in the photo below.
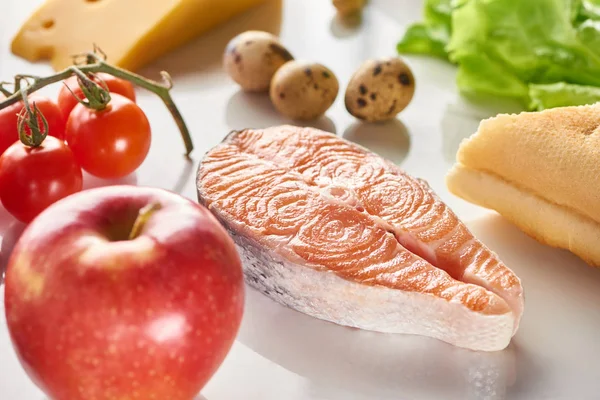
(330, 229)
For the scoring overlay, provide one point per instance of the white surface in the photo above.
(281, 354)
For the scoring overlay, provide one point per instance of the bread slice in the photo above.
(541, 171)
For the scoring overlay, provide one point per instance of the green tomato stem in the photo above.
(97, 95)
(31, 119)
(3, 90)
(95, 64)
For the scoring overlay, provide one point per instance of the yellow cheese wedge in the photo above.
(130, 32)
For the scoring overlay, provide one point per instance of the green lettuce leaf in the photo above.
(590, 9)
(515, 48)
(480, 75)
(431, 36)
(421, 39)
(561, 95)
(532, 39)
(589, 34)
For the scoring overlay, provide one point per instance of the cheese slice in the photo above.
(131, 32)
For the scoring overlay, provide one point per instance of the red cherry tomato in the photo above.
(111, 143)
(32, 178)
(66, 101)
(9, 132)
(8, 125)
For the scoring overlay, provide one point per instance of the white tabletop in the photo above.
(282, 354)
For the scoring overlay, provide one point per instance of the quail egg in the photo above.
(348, 7)
(380, 89)
(251, 59)
(303, 90)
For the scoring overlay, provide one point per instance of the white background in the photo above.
(281, 354)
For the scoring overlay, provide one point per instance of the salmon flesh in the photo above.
(330, 229)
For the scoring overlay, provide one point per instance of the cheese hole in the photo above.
(47, 24)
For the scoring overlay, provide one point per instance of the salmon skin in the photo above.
(330, 229)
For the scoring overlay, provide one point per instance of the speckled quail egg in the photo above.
(380, 89)
(348, 7)
(303, 90)
(251, 59)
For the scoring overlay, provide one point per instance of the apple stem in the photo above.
(143, 216)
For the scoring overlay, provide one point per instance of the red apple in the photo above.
(123, 292)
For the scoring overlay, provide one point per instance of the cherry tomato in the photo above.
(9, 132)
(111, 143)
(8, 125)
(66, 101)
(32, 178)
